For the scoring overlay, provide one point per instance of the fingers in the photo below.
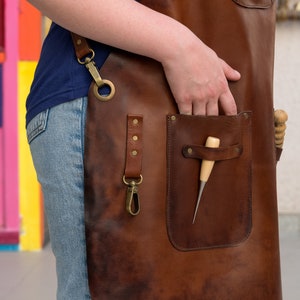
(228, 104)
(230, 73)
(185, 108)
(203, 88)
(210, 107)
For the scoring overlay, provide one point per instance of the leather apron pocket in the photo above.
(224, 216)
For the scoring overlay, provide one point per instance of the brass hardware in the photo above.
(87, 59)
(99, 82)
(106, 97)
(246, 115)
(135, 121)
(173, 118)
(132, 199)
(134, 153)
(190, 150)
(135, 137)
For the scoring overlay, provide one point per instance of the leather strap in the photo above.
(85, 56)
(215, 154)
(81, 46)
(133, 168)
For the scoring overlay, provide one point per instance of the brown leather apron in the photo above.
(148, 248)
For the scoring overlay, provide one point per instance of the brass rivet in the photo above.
(237, 150)
(135, 121)
(135, 137)
(190, 150)
(134, 152)
(78, 42)
(246, 115)
(173, 118)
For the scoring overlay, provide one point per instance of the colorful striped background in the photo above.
(21, 207)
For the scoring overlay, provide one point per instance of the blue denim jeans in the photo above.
(56, 138)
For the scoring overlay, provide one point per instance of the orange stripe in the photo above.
(2, 57)
(30, 32)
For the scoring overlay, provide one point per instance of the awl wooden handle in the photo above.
(207, 165)
(280, 119)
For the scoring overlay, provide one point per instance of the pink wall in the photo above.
(1, 154)
(9, 130)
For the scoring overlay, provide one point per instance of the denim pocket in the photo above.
(255, 3)
(37, 125)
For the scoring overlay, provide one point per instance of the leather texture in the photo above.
(224, 218)
(134, 148)
(232, 250)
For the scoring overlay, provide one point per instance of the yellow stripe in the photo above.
(31, 235)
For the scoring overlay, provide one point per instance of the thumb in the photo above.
(230, 73)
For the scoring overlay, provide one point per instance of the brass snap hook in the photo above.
(132, 199)
(104, 83)
(100, 83)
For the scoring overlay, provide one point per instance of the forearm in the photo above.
(123, 24)
(197, 77)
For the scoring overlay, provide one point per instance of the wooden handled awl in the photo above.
(280, 119)
(206, 168)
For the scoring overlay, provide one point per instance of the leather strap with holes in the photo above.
(81, 46)
(133, 168)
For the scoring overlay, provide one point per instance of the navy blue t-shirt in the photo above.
(59, 77)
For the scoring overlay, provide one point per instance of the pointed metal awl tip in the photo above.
(202, 184)
(206, 168)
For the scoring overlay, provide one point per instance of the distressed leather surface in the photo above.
(225, 213)
(133, 257)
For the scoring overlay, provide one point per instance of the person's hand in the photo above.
(198, 79)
